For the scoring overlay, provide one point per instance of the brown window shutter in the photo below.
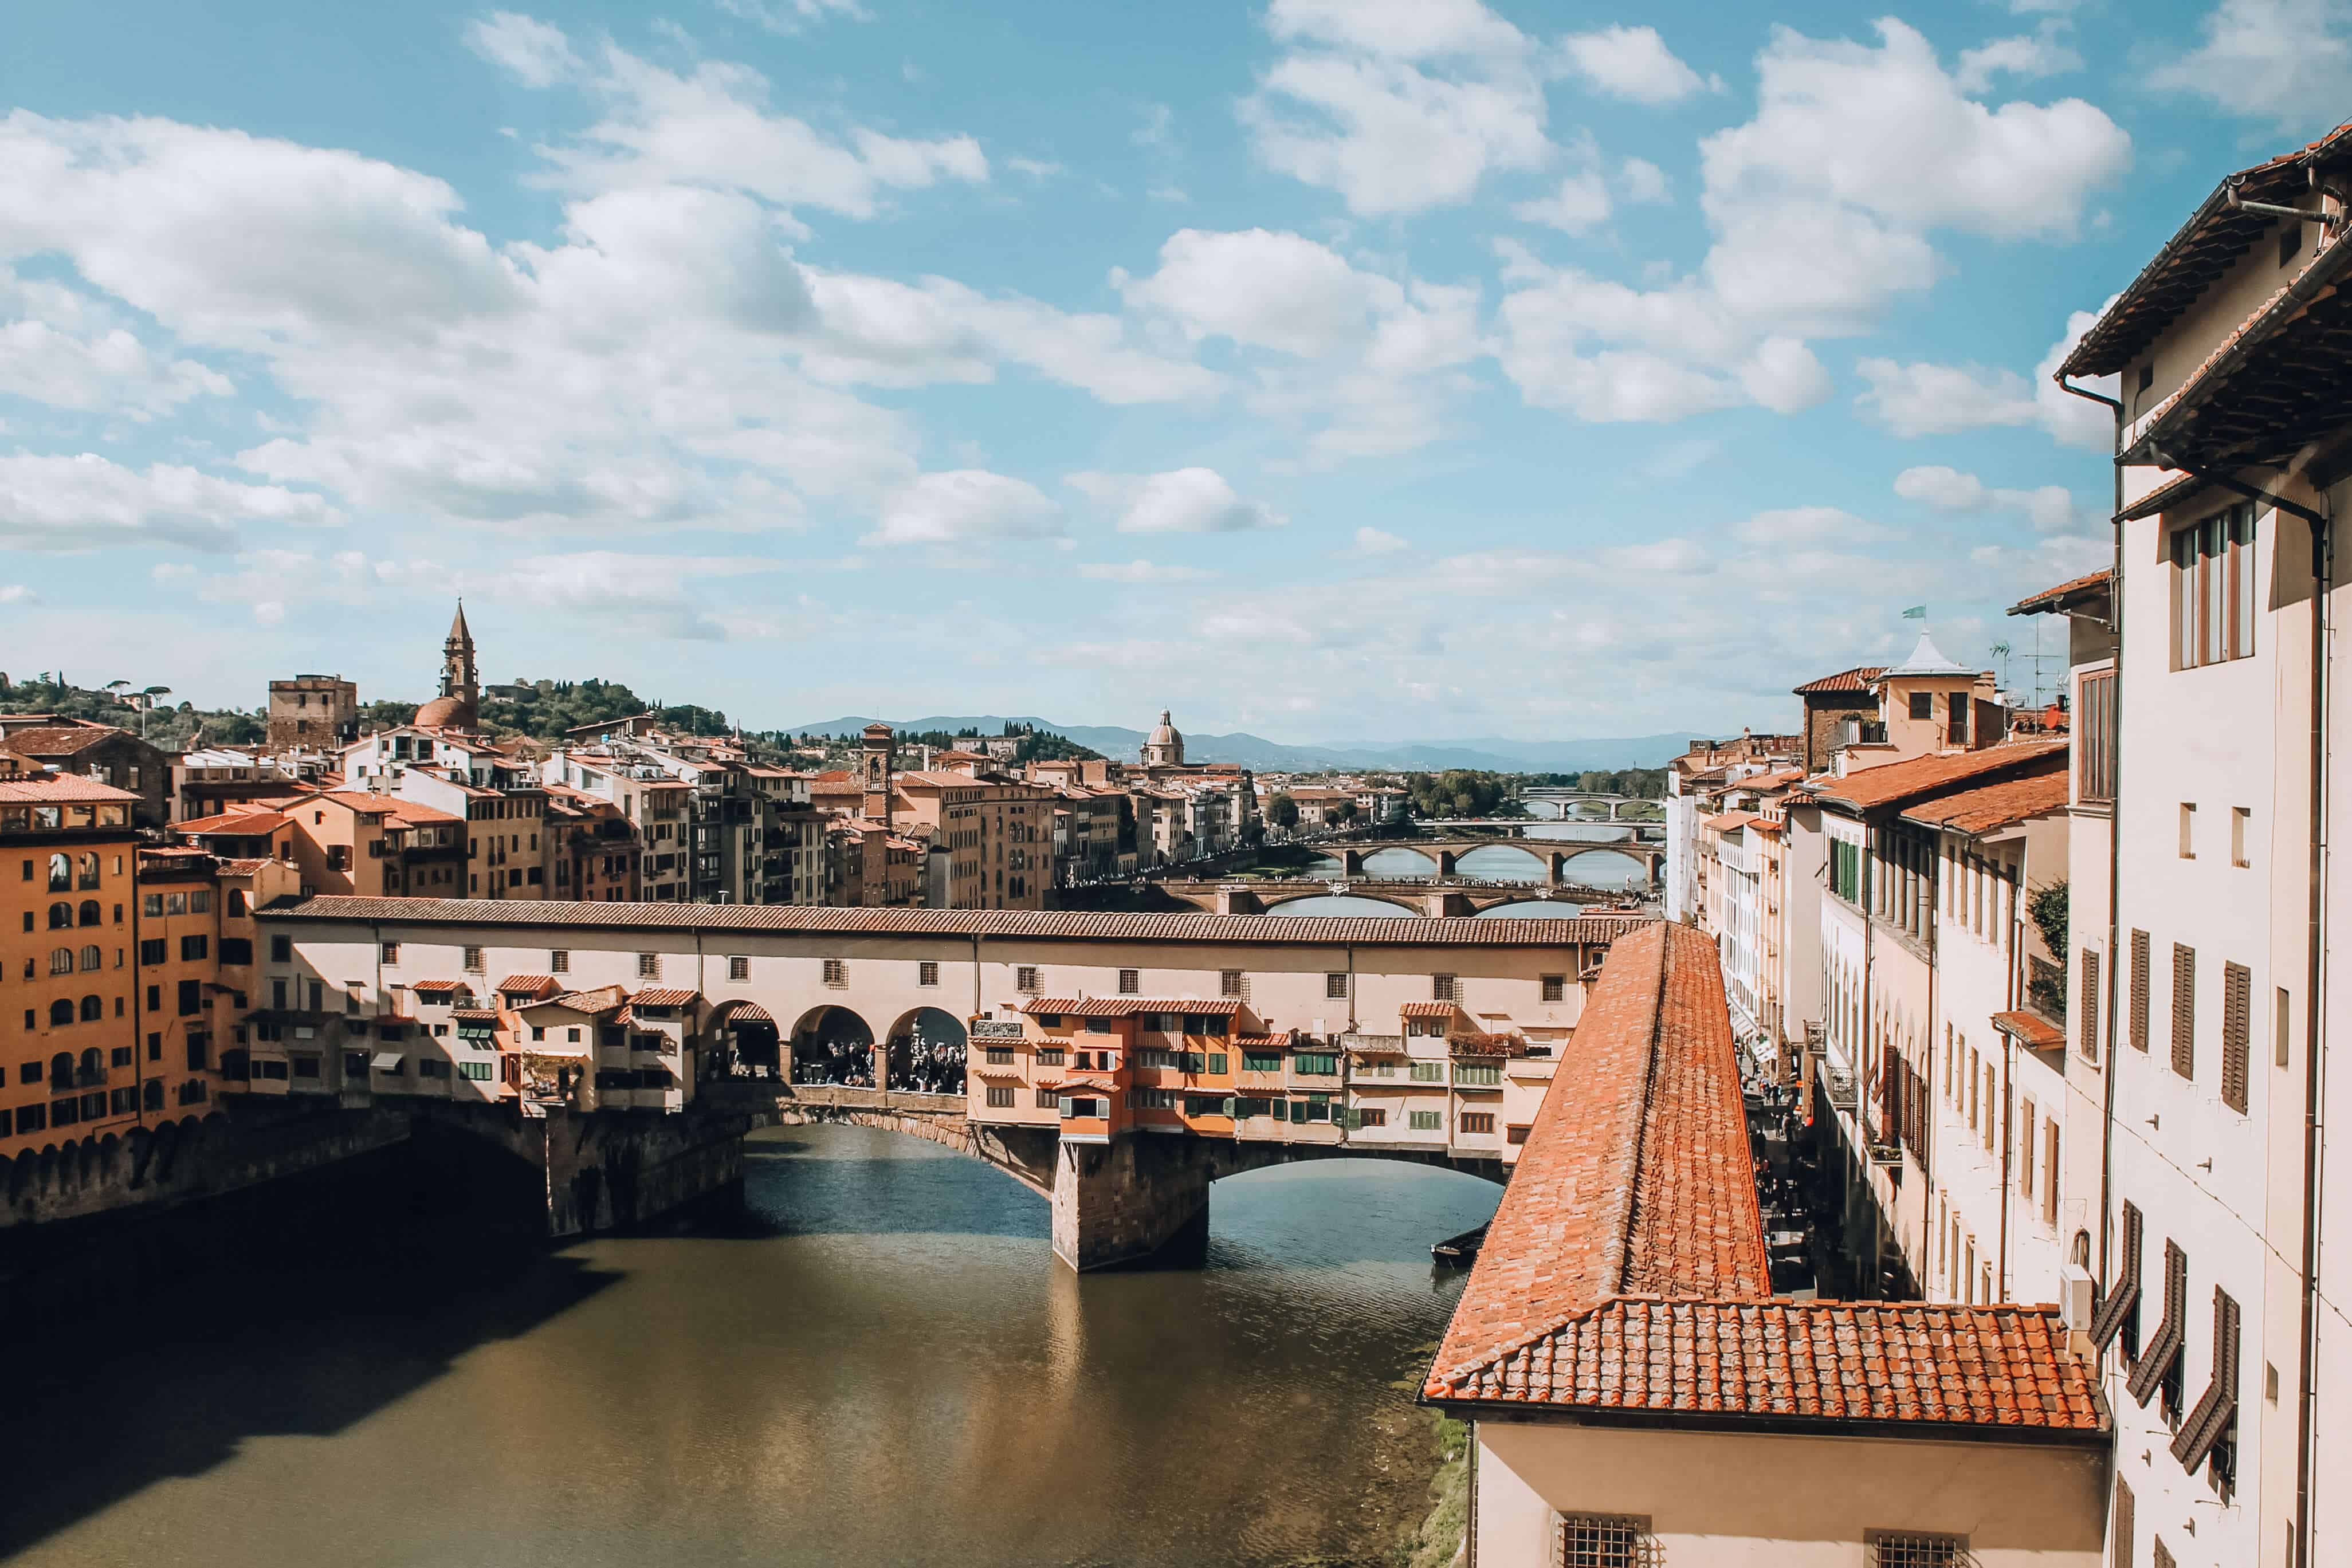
(2184, 1010)
(2120, 1535)
(2139, 990)
(2089, 1005)
(2237, 1003)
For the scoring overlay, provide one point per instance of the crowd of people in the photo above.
(926, 1067)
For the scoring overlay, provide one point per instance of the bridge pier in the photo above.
(1443, 904)
(1351, 863)
(1122, 1201)
(1555, 870)
(1446, 860)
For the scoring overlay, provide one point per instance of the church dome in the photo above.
(1165, 733)
(446, 713)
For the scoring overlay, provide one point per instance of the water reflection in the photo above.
(883, 1366)
(1340, 904)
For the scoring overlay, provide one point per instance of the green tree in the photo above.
(1344, 812)
(1282, 811)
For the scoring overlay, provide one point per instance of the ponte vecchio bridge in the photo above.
(647, 1038)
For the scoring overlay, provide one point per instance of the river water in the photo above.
(880, 1363)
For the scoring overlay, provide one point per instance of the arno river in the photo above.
(880, 1364)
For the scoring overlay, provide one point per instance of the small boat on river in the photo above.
(1459, 1251)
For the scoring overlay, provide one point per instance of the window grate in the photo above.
(1130, 982)
(836, 971)
(1604, 1540)
(1024, 979)
(1918, 1549)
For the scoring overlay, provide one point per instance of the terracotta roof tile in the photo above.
(532, 985)
(1625, 1269)
(1893, 783)
(1127, 1007)
(61, 739)
(2055, 598)
(2029, 1029)
(1429, 1009)
(50, 788)
(1319, 931)
(1991, 807)
(241, 823)
(663, 996)
(1857, 679)
(438, 988)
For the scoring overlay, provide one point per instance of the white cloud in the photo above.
(1265, 290)
(1399, 106)
(531, 51)
(1180, 501)
(1642, 180)
(966, 506)
(1377, 541)
(86, 502)
(2028, 55)
(1809, 528)
(1783, 376)
(1140, 571)
(638, 595)
(786, 17)
(2282, 61)
(1675, 557)
(2049, 507)
(69, 352)
(18, 594)
(1922, 398)
(1631, 63)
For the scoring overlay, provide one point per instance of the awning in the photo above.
(387, 1061)
(2028, 1029)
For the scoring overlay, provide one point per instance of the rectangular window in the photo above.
(2087, 1007)
(2279, 1025)
(1315, 1065)
(2184, 1010)
(1478, 1122)
(648, 965)
(2240, 819)
(2216, 595)
(1923, 705)
(2095, 738)
(1428, 1072)
(1046, 1099)
(927, 973)
(2025, 1147)
(1426, 1121)
(1261, 1061)
(1915, 1548)
(473, 960)
(1603, 1540)
(281, 949)
(191, 997)
(479, 1071)
(2050, 1171)
(738, 967)
(1025, 978)
(1334, 986)
(1444, 987)
(153, 950)
(2139, 967)
(999, 1098)
(1476, 1075)
(236, 950)
(1955, 729)
(1130, 982)
(1000, 1056)
(836, 971)
(2187, 830)
(1229, 983)
(193, 948)
(2237, 1031)
(1555, 987)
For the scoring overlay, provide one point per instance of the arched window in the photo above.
(62, 961)
(92, 1010)
(90, 869)
(91, 959)
(93, 1066)
(60, 873)
(60, 1012)
(60, 916)
(91, 915)
(61, 1068)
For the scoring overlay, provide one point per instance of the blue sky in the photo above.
(1330, 369)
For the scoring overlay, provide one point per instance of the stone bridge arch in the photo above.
(1270, 902)
(745, 1036)
(832, 1043)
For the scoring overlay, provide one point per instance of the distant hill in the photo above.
(1500, 755)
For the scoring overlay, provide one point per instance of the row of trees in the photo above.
(1637, 783)
(174, 727)
(1282, 811)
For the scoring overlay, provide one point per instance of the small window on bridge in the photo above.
(1000, 1099)
(836, 971)
(1131, 981)
(1445, 988)
(1426, 1121)
(1335, 985)
(1024, 978)
(474, 960)
(1230, 983)
(927, 973)
(738, 967)
(558, 961)
(648, 965)
(1555, 987)
(391, 952)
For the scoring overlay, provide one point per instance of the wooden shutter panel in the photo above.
(2139, 990)
(2237, 1003)
(2184, 1010)
(2089, 1005)
(2120, 1527)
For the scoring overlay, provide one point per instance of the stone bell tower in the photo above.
(874, 770)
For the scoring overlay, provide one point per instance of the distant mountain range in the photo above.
(1500, 755)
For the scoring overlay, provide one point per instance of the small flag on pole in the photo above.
(1917, 613)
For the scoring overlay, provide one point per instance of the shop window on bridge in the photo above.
(1000, 1099)
(1315, 1064)
(1371, 1118)
(1478, 1122)
(1209, 1024)
(1476, 1075)
(1427, 1121)
(1050, 1055)
(1002, 1056)
(1428, 1072)
(1261, 1061)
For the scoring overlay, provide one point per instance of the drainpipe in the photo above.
(2009, 1070)
(2315, 982)
(2115, 837)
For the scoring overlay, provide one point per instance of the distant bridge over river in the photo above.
(1554, 856)
(1437, 900)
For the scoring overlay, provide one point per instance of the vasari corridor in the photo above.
(1268, 784)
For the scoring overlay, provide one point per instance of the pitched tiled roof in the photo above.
(1361, 931)
(1991, 807)
(662, 997)
(532, 985)
(243, 824)
(1857, 679)
(437, 988)
(1625, 1273)
(51, 789)
(61, 739)
(1893, 783)
(1428, 1009)
(2056, 598)
(1127, 1007)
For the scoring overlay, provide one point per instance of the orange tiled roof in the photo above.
(1428, 1009)
(533, 985)
(1991, 807)
(2052, 598)
(1857, 679)
(51, 788)
(1625, 1268)
(663, 996)
(2029, 1029)
(1127, 1007)
(60, 740)
(1921, 777)
(234, 822)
